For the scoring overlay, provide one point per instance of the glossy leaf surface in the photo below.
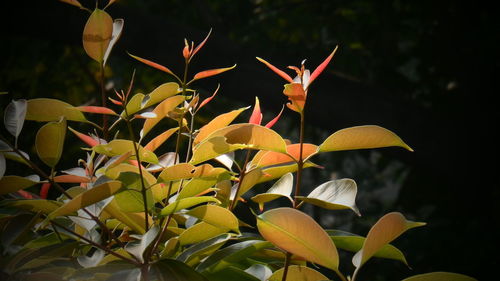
(281, 188)
(297, 233)
(14, 116)
(45, 110)
(121, 146)
(298, 273)
(10, 184)
(153, 144)
(200, 232)
(115, 35)
(217, 216)
(186, 203)
(49, 142)
(218, 122)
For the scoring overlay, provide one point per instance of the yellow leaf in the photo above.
(97, 34)
(299, 234)
(298, 273)
(218, 122)
(186, 203)
(362, 137)
(440, 276)
(45, 110)
(161, 111)
(216, 216)
(160, 139)
(49, 142)
(10, 184)
(200, 232)
(121, 146)
(187, 171)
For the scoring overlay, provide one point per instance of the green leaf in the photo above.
(298, 273)
(230, 273)
(10, 184)
(172, 270)
(137, 248)
(49, 142)
(140, 101)
(91, 196)
(362, 137)
(186, 203)
(281, 188)
(130, 199)
(196, 186)
(216, 216)
(334, 195)
(34, 205)
(97, 34)
(45, 110)
(353, 243)
(14, 116)
(134, 222)
(299, 234)
(200, 232)
(387, 228)
(122, 146)
(200, 250)
(231, 255)
(161, 111)
(440, 276)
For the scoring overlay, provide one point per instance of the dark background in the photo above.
(426, 70)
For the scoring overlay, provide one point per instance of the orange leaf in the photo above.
(198, 48)
(160, 139)
(296, 94)
(218, 122)
(44, 190)
(97, 34)
(271, 123)
(153, 64)
(90, 141)
(210, 72)
(207, 100)
(96, 109)
(256, 117)
(71, 179)
(322, 66)
(276, 70)
(271, 158)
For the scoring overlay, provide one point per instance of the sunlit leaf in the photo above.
(133, 222)
(90, 141)
(186, 171)
(211, 72)
(117, 31)
(35, 205)
(299, 234)
(440, 276)
(296, 95)
(269, 158)
(186, 203)
(281, 188)
(196, 186)
(122, 146)
(137, 248)
(91, 196)
(334, 195)
(250, 180)
(140, 101)
(298, 273)
(71, 179)
(73, 2)
(160, 139)
(164, 161)
(97, 34)
(275, 172)
(276, 70)
(215, 215)
(14, 115)
(361, 137)
(218, 122)
(256, 117)
(207, 100)
(153, 64)
(96, 109)
(200, 232)
(130, 198)
(44, 110)
(49, 142)
(387, 228)
(172, 270)
(321, 67)
(259, 271)
(161, 111)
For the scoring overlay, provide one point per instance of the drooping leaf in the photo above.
(161, 111)
(117, 31)
(218, 122)
(137, 248)
(133, 222)
(45, 110)
(14, 116)
(353, 243)
(440, 276)
(49, 142)
(250, 180)
(160, 139)
(186, 203)
(281, 188)
(387, 228)
(298, 273)
(200, 232)
(172, 270)
(196, 186)
(122, 146)
(334, 195)
(71, 179)
(97, 34)
(299, 234)
(91, 196)
(217, 216)
(73, 2)
(90, 141)
(362, 137)
(211, 72)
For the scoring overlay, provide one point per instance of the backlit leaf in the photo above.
(196, 186)
(276, 70)
(133, 222)
(96, 109)
(321, 67)
(44, 110)
(160, 139)
(216, 216)
(91, 196)
(218, 122)
(153, 64)
(211, 72)
(334, 195)
(161, 111)
(440, 276)
(97, 34)
(299, 234)
(200, 232)
(387, 228)
(362, 137)
(35, 205)
(296, 95)
(298, 273)
(186, 203)
(117, 31)
(250, 180)
(122, 146)
(140, 101)
(72, 2)
(14, 115)
(90, 141)
(49, 142)
(130, 198)
(281, 188)
(275, 172)
(269, 158)
(186, 171)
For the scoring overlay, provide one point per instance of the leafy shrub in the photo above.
(133, 209)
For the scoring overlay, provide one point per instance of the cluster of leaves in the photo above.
(135, 210)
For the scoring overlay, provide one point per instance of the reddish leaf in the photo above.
(25, 194)
(71, 179)
(271, 123)
(211, 72)
(44, 190)
(73, 2)
(256, 117)
(198, 48)
(207, 100)
(96, 109)
(90, 141)
(277, 71)
(321, 67)
(153, 64)
(297, 96)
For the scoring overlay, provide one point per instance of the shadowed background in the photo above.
(422, 69)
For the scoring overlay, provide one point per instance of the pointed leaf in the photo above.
(73, 2)
(14, 116)
(440, 276)
(334, 195)
(298, 273)
(96, 109)
(296, 95)
(321, 67)
(281, 188)
(362, 137)
(250, 180)
(270, 158)
(387, 228)
(207, 100)
(137, 248)
(160, 139)
(160, 93)
(276, 70)
(90, 141)
(198, 48)
(133, 222)
(217, 216)
(97, 34)
(196, 186)
(45, 110)
(200, 232)
(259, 271)
(186, 171)
(121, 146)
(33, 205)
(211, 72)
(186, 203)
(218, 122)
(89, 197)
(172, 270)
(153, 64)
(117, 31)
(161, 111)
(71, 179)
(275, 172)
(299, 234)
(256, 117)
(49, 142)
(204, 248)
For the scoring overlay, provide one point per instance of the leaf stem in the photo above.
(300, 161)
(103, 103)
(242, 177)
(285, 267)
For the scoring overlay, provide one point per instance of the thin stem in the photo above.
(242, 177)
(300, 162)
(190, 141)
(285, 267)
(103, 103)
